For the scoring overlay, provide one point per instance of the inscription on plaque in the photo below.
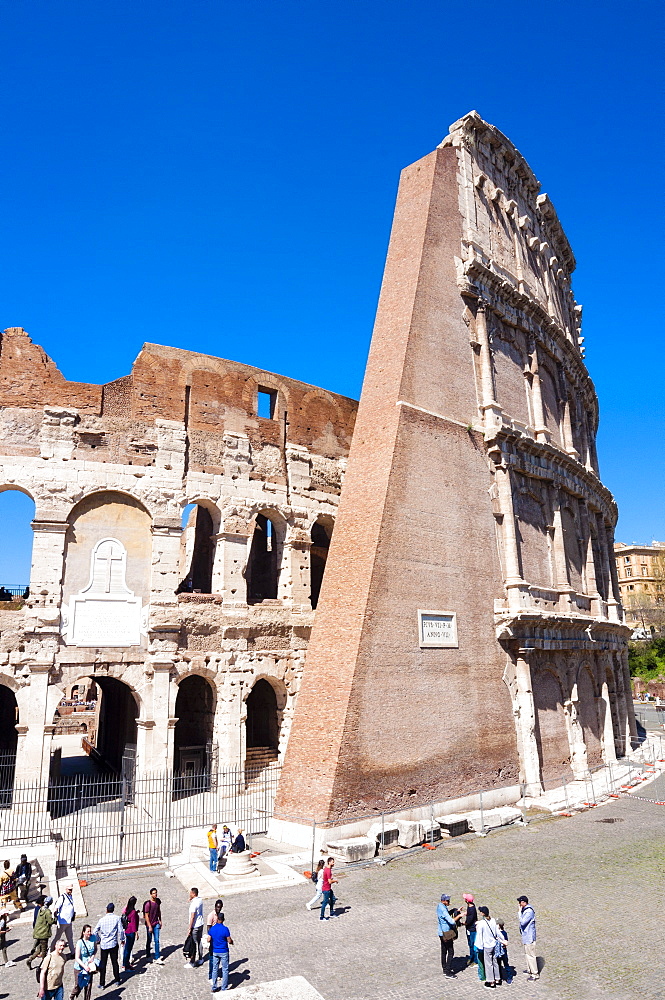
(106, 612)
(437, 629)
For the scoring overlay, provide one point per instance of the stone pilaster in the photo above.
(524, 711)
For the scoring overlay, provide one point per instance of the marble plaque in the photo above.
(437, 630)
(106, 612)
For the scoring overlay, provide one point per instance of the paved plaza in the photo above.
(597, 887)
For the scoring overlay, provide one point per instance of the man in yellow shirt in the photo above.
(212, 847)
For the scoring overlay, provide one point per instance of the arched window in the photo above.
(262, 571)
(197, 551)
(318, 555)
(193, 737)
(17, 510)
(8, 739)
(262, 726)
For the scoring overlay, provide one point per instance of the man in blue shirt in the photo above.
(447, 935)
(220, 938)
(527, 919)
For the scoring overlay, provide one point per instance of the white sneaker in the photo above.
(188, 965)
(8, 964)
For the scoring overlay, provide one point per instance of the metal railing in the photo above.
(13, 592)
(119, 819)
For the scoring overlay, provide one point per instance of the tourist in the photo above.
(447, 934)
(212, 847)
(225, 842)
(470, 918)
(239, 843)
(327, 883)
(152, 916)
(505, 970)
(84, 964)
(487, 938)
(52, 972)
(110, 934)
(317, 879)
(527, 919)
(41, 931)
(220, 938)
(8, 892)
(4, 927)
(192, 946)
(23, 874)
(130, 923)
(212, 918)
(65, 915)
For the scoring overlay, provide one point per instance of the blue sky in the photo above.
(221, 177)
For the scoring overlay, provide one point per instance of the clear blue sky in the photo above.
(221, 177)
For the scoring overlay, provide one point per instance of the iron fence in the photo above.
(120, 819)
(12, 592)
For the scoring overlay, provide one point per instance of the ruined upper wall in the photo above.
(212, 399)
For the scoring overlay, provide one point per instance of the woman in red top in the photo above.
(130, 921)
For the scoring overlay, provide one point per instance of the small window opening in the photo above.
(318, 555)
(266, 403)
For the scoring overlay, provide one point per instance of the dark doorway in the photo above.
(318, 555)
(198, 579)
(195, 712)
(116, 736)
(262, 566)
(262, 727)
(8, 737)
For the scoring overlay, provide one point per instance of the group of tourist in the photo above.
(323, 879)
(487, 939)
(113, 939)
(219, 845)
(15, 884)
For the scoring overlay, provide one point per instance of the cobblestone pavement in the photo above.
(597, 887)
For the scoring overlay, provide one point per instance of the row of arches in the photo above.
(200, 524)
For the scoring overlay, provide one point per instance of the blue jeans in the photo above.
(329, 899)
(220, 960)
(56, 994)
(127, 951)
(471, 938)
(480, 959)
(154, 933)
(213, 859)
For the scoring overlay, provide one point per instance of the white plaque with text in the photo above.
(106, 612)
(437, 630)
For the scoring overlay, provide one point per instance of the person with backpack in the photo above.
(487, 939)
(41, 931)
(65, 914)
(317, 879)
(130, 922)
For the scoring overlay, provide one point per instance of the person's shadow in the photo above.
(236, 976)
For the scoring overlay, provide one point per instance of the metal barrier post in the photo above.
(431, 823)
(565, 792)
(482, 817)
(593, 790)
(383, 833)
(313, 842)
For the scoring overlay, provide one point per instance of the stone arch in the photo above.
(321, 535)
(193, 738)
(201, 523)
(266, 550)
(104, 514)
(551, 729)
(119, 711)
(265, 380)
(587, 710)
(17, 512)
(263, 715)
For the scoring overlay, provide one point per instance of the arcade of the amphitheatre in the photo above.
(193, 502)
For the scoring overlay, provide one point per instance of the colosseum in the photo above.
(182, 521)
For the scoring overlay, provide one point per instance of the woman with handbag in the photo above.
(447, 935)
(85, 964)
(488, 937)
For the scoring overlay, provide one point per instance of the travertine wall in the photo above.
(472, 488)
(122, 461)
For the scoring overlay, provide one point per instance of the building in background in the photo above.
(641, 576)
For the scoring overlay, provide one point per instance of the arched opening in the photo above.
(197, 550)
(77, 716)
(318, 555)
(193, 737)
(8, 737)
(262, 725)
(551, 730)
(588, 716)
(262, 573)
(17, 511)
(116, 733)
